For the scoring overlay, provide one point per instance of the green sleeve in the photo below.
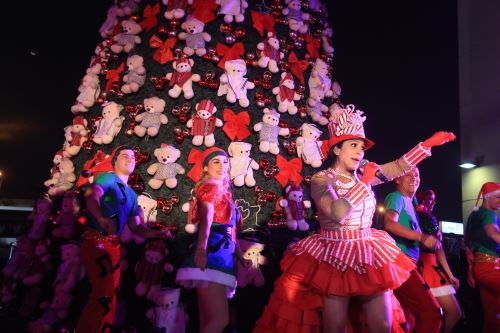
(395, 202)
(489, 217)
(105, 181)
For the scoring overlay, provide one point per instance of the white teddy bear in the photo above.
(127, 39)
(203, 123)
(176, 8)
(308, 145)
(62, 180)
(151, 120)
(89, 90)
(269, 130)
(326, 39)
(315, 106)
(165, 170)
(181, 80)
(76, 134)
(286, 94)
(169, 315)
(194, 36)
(148, 207)
(242, 165)
(270, 53)
(248, 270)
(295, 16)
(110, 125)
(233, 83)
(294, 208)
(232, 10)
(319, 80)
(135, 76)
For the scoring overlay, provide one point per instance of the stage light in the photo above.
(381, 209)
(467, 165)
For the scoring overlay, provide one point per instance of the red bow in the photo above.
(164, 53)
(236, 124)
(297, 67)
(149, 15)
(229, 53)
(312, 46)
(196, 157)
(289, 170)
(261, 22)
(204, 10)
(113, 75)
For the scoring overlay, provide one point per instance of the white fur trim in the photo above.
(443, 290)
(191, 278)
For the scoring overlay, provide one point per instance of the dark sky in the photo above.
(395, 61)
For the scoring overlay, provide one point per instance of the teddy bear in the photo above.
(66, 221)
(54, 313)
(295, 16)
(89, 91)
(176, 8)
(147, 207)
(181, 79)
(76, 134)
(71, 270)
(315, 106)
(194, 36)
(248, 270)
(308, 145)
(270, 53)
(165, 170)
(62, 180)
(286, 94)
(336, 90)
(294, 208)
(232, 10)
(150, 269)
(319, 80)
(150, 121)
(135, 76)
(40, 265)
(110, 125)
(203, 123)
(168, 315)
(326, 39)
(233, 83)
(127, 39)
(106, 29)
(269, 130)
(39, 216)
(242, 165)
(129, 7)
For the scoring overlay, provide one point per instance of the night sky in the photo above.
(397, 62)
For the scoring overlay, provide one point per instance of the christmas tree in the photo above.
(172, 80)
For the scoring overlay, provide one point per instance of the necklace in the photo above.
(352, 179)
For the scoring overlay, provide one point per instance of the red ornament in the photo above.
(264, 164)
(258, 189)
(183, 118)
(225, 28)
(261, 200)
(270, 196)
(240, 32)
(162, 30)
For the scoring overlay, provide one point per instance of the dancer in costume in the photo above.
(346, 258)
(111, 204)
(482, 238)
(210, 268)
(433, 265)
(422, 310)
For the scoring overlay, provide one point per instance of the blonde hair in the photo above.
(204, 177)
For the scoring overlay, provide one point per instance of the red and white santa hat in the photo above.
(206, 105)
(182, 60)
(287, 76)
(488, 190)
(79, 120)
(347, 124)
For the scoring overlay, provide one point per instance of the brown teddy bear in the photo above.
(194, 36)
(127, 39)
(152, 119)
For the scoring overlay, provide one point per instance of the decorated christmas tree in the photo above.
(172, 79)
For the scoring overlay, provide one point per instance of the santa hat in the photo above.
(79, 120)
(287, 76)
(347, 124)
(206, 105)
(488, 190)
(182, 60)
(201, 159)
(293, 187)
(100, 163)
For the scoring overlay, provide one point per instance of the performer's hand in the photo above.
(438, 139)
(164, 234)
(430, 241)
(455, 282)
(107, 225)
(200, 258)
(369, 172)
(470, 256)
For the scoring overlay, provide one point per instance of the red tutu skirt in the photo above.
(341, 263)
(434, 275)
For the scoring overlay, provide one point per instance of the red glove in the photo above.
(438, 139)
(369, 172)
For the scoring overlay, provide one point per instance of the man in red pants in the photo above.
(422, 310)
(111, 204)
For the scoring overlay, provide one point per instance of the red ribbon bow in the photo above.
(164, 53)
(113, 75)
(312, 46)
(261, 22)
(149, 14)
(236, 124)
(297, 67)
(289, 170)
(229, 53)
(204, 10)
(196, 157)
